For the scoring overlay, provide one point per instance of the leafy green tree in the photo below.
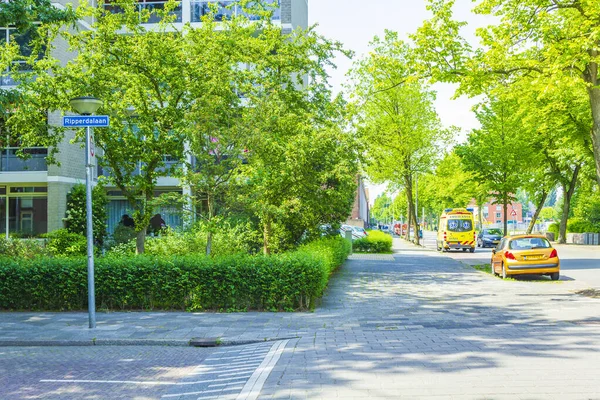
(150, 87)
(381, 209)
(545, 42)
(497, 154)
(398, 123)
(301, 162)
(547, 214)
(75, 219)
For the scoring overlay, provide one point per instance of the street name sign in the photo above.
(82, 121)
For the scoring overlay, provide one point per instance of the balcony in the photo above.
(151, 6)
(196, 10)
(35, 159)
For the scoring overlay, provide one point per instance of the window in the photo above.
(498, 208)
(8, 35)
(498, 215)
(460, 225)
(24, 211)
(13, 158)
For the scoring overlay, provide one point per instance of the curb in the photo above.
(194, 342)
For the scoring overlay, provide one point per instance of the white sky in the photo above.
(356, 22)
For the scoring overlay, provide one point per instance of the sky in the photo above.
(356, 22)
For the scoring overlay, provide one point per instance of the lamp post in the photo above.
(88, 106)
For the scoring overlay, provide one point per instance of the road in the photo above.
(413, 325)
(580, 263)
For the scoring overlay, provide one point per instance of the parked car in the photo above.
(348, 228)
(489, 237)
(525, 254)
(360, 231)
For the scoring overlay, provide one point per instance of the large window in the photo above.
(227, 9)
(14, 158)
(23, 211)
(8, 35)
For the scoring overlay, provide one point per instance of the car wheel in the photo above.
(503, 271)
(555, 276)
(464, 250)
(479, 244)
(472, 250)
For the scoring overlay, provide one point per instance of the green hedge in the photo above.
(374, 242)
(290, 281)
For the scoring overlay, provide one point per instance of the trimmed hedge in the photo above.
(289, 281)
(374, 242)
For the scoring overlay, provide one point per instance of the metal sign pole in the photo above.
(90, 229)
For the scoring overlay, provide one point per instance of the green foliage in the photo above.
(290, 281)
(547, 214)
(554, 228)
(580, 225)
(76, 216)
(229, 238)
(22, 248)
(374, 242)
(64, 243)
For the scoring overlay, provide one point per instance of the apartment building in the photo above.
(33, 193)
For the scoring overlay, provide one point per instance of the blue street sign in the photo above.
(82, 121)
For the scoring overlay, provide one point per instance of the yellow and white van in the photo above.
(456, 230)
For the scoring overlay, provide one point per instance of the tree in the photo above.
(301, 161)
(398, 123)
(546, 41)
(498, 153)
(76, 219)
(150, 85)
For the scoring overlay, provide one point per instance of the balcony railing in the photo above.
(7, 80)
(227, 9)
(198, 9)
(151, 7)
(34, 161)
(169, 165)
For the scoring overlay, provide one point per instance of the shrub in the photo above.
(288, 281)
(22, 248)
(580, 225)
(554, 228)
(76, 216)
(374, 242)
(64, 243)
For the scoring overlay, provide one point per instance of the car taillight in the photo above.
(444, 236)
(510, 255)
(554, 253)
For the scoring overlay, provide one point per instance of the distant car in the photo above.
(348, 228)
(525, 254)
(489, 237)
(359, 231)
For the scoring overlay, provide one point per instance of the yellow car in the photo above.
(525, 254)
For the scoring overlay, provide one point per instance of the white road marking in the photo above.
(202, 392)
(138, 382)
(254, 385)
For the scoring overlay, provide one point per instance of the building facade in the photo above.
(493, 214)
(360, 210)
(32, 192)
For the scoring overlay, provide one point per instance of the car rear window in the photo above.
(460, 225)
(529, 243)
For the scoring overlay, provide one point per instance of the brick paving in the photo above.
(422, 326)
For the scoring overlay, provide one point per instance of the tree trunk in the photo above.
(140, 241)
(505, 205)
(409, 218)
(537, 211)
(594, 95)
(568, 194)
(411, 209)
(267, 236)
(480, 215)
(209, 235)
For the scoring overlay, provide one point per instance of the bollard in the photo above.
(349, 237)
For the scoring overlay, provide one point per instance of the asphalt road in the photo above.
(580, 263)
